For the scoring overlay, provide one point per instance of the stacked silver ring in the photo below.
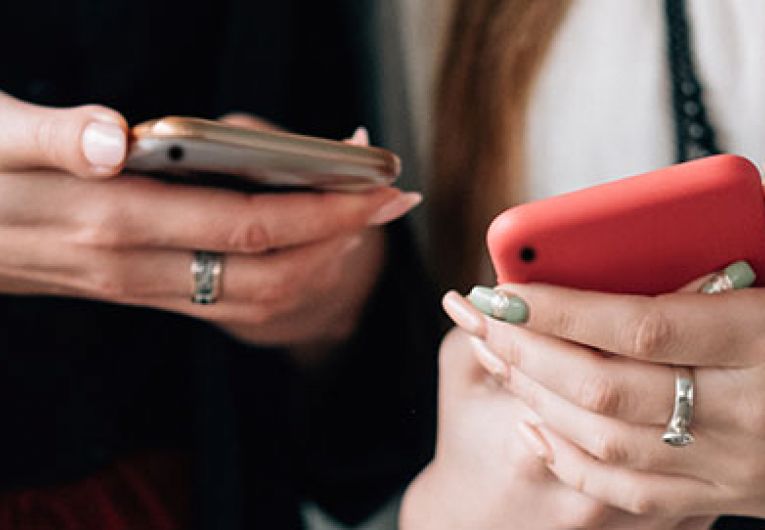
(206, 270)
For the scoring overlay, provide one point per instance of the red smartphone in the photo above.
(646, 234)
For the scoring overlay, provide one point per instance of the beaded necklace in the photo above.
(694, 135)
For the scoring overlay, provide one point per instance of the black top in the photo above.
(83, 382)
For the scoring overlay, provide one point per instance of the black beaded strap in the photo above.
(695, 136)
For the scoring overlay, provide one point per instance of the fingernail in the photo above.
(464, 314)
(489, 360)
(741, 274)
(738, 275)
(395, 208)
(534, 442)
(501, 306)
(104, 144)
(360, 136)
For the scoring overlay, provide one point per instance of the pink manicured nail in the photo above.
(464, 314)
(360, 137)
(489, 360)
(104, 144)
(395, 208)
(535, 442)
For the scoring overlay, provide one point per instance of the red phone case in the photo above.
(647, 234)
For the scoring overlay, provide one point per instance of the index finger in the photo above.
(135, 212)
(679, 328)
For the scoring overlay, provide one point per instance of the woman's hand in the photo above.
(298, 267)
(602, 416)
(483, 475)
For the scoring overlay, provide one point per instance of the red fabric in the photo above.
(148, 491)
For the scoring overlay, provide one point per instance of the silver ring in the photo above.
(678, 432)
(206, 271)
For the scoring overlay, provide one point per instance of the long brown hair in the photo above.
(493, 51)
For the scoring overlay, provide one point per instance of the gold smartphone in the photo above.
(212, 153)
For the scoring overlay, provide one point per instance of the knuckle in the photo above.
(579, 482)
(103, 228)
(610, 449)
(643, 504)
(601, 395)
(527, 468)
(99, 236)
(653, 334)
(249, 237)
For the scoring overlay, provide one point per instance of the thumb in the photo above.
(88, 141)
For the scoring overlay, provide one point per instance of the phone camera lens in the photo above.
(175, 153)
(528, 254)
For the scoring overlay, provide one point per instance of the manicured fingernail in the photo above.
(395, 208)
(489, 360)
(501, 306)
(741, 274)
(104, 144)
(738, 275)
(534, 441)
(360, 137)
(464, 314)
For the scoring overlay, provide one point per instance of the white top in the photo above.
(601, 107)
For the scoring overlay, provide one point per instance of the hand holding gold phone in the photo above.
(205, 152)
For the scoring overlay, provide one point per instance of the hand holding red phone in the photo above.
(599, 371)
(599, 418)
(130, 239)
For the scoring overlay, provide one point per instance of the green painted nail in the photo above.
(499, 305)
(741, 274)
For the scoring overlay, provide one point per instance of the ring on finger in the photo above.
(206, 272)
(678, 432)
